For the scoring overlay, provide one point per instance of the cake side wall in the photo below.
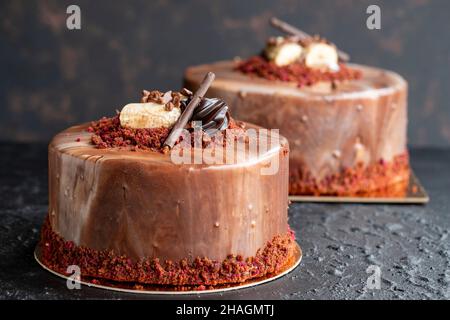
(144, 208)
(327, 135)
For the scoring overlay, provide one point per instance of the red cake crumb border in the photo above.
(58, 254)
(295, 72)
(380, 179)
(108, 133)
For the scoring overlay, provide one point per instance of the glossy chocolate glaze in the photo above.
(328, 128)
(141, 204)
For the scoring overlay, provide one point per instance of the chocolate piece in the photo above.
(170, 99)
(213, 114)
(187, 113)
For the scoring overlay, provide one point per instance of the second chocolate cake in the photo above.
(346, 123)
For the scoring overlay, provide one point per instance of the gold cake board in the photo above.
(414, 193)
(174, 290)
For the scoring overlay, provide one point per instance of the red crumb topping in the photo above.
(295, 72)
(379, 179)
(108, 133)
(58, 254)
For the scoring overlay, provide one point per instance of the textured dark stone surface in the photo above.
(51, 77)
(410, 243)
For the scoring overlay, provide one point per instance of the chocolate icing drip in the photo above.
(213, 113)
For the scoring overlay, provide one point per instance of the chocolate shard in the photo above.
(189, 110)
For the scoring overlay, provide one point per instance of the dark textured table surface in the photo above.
(409, 243)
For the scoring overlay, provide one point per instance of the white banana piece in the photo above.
(148, 115)
(284, 53)
(320, 55)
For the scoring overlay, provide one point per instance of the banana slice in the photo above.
(284, 53)
(148, 115)
(320, 55)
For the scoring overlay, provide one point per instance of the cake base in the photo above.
(290, 265)
(411, 192)
(383, 178)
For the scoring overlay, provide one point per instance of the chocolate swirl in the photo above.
(213, 113)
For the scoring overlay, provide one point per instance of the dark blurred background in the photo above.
(52, 77)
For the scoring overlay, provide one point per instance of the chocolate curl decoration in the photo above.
(187, 114)
(303, 36)
(213, 113)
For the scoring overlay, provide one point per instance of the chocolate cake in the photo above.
(346, 123)
(122, 209)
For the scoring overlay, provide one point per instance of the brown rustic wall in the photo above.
(51, 77)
